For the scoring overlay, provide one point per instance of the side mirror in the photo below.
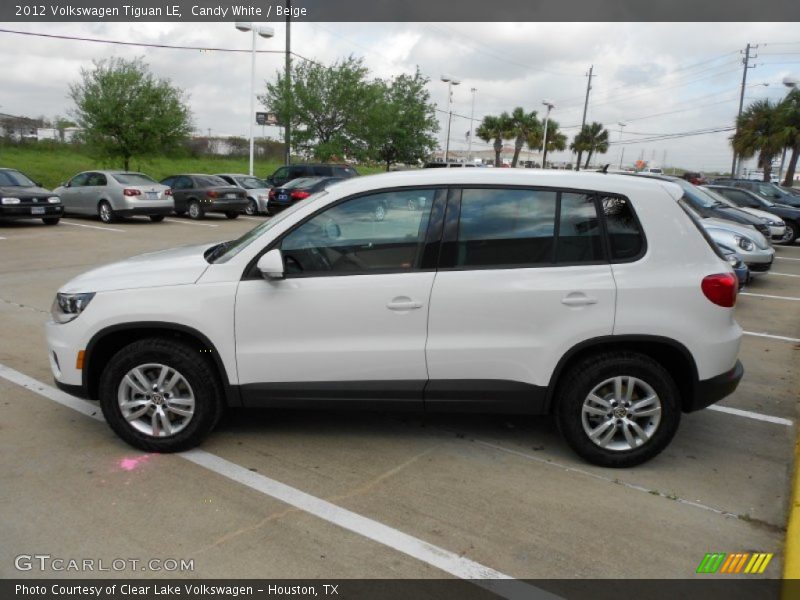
(65, 184)
(271, 265)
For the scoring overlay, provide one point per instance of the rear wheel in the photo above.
(156, 218)
(195, 210)
(106, 213)
(618, 409)
(232, 215)
(791, 233)
(51, 220)
(252, 208)
(158, 396)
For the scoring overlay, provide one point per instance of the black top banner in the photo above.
(400, 10)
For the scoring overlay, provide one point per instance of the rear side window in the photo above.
(625, 236)
(580, 239)
(133, 179)
(506, 227)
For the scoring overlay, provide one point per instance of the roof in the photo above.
(580, 180)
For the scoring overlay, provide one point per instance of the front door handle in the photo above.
(403, 303)
(578, 299)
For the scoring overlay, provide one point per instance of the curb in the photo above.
(791, 564)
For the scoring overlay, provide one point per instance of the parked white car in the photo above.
(594, 297)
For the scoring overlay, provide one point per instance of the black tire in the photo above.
(156, 218)
(232, 215)
(581, 379)
(252, 208)
(51, 220)
(792, 232)
(195, 368)
(105, 212)
(195, 210)
(180, 213)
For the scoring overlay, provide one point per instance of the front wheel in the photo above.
(252, 208)
(791, 234)
(618, 409)
(159, 396)
(51, 220)
(232, 215)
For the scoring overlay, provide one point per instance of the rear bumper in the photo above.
(144, 210)
(709, 391)
(226, 205)
(15, 211)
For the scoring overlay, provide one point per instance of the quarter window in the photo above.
(625, 236)
(375, 233)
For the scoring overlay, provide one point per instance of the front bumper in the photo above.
(25, 211)
(709, 391)
(777, 232)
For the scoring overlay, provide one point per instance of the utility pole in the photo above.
(287, 127)
(622, 152)
(585, 107)
(471, 125)
(747, 65)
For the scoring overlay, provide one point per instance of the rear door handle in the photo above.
(578, 299)
(403, 303)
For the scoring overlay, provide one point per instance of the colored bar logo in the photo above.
(738, 562)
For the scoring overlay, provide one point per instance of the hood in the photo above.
(177, 266)
(761, 214)
(747, 231)
(17, 191)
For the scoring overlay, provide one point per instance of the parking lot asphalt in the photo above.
(378, 495)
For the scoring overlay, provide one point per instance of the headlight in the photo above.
(745, 243)
(9, 201)
(54, 199)
(67, 307)
(733, 260)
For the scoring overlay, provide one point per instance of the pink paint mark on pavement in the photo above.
(129, 464)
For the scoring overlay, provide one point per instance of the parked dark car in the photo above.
(746, 198)
(198, 194)
(23, 198)
(284, 175)
(296, 190)
(768, 191)
(790, 190)
(708, 206)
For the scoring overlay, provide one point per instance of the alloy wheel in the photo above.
(156, 400)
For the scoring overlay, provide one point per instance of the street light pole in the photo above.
(265, 32)
(747, 65)
(622, 152)
(550, 106)
(450, 81)
(471, 125)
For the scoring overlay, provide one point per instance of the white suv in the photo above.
(591, 296)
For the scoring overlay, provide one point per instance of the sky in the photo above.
(657, 78)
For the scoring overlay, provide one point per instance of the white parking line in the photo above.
(768, 296)
(190, 223)
(447, 561)
(252, 218)
(785, 258)
(783, 274)
(92, 226)
(773, 337)
(752, 415)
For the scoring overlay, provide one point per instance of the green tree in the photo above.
(495, 129)
(790, 129)
(126, 111)
(525, 127)
(593, 139)
(759, 129)
(556, 141)
(326, 106)
(401, 124)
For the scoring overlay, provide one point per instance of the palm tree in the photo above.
(759, 130)
(524, 128)
(556, 141)
(592, 139)
(790, 125)
(495, 129)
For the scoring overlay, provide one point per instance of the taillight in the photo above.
(168, 192)
(212, 194)
(721, 289)
(272, 194)
(300, 195)
(131, 192)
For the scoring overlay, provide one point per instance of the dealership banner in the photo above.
(396, 11)
(706, 587)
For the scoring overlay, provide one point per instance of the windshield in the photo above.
(696, 195)
(720, 198)
(302, 182)
(12, 178)
(251, 183)
(227, 250)
(133, 179)
(211, 181)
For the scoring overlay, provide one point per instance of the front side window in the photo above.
(374, 233)
(505, 227)
(79, 180)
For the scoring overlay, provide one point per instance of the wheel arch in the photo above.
(671, 354)
(105, 343)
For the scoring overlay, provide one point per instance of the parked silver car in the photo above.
(113, 195)
(777, 227)
(752, 247)
(257, 191)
